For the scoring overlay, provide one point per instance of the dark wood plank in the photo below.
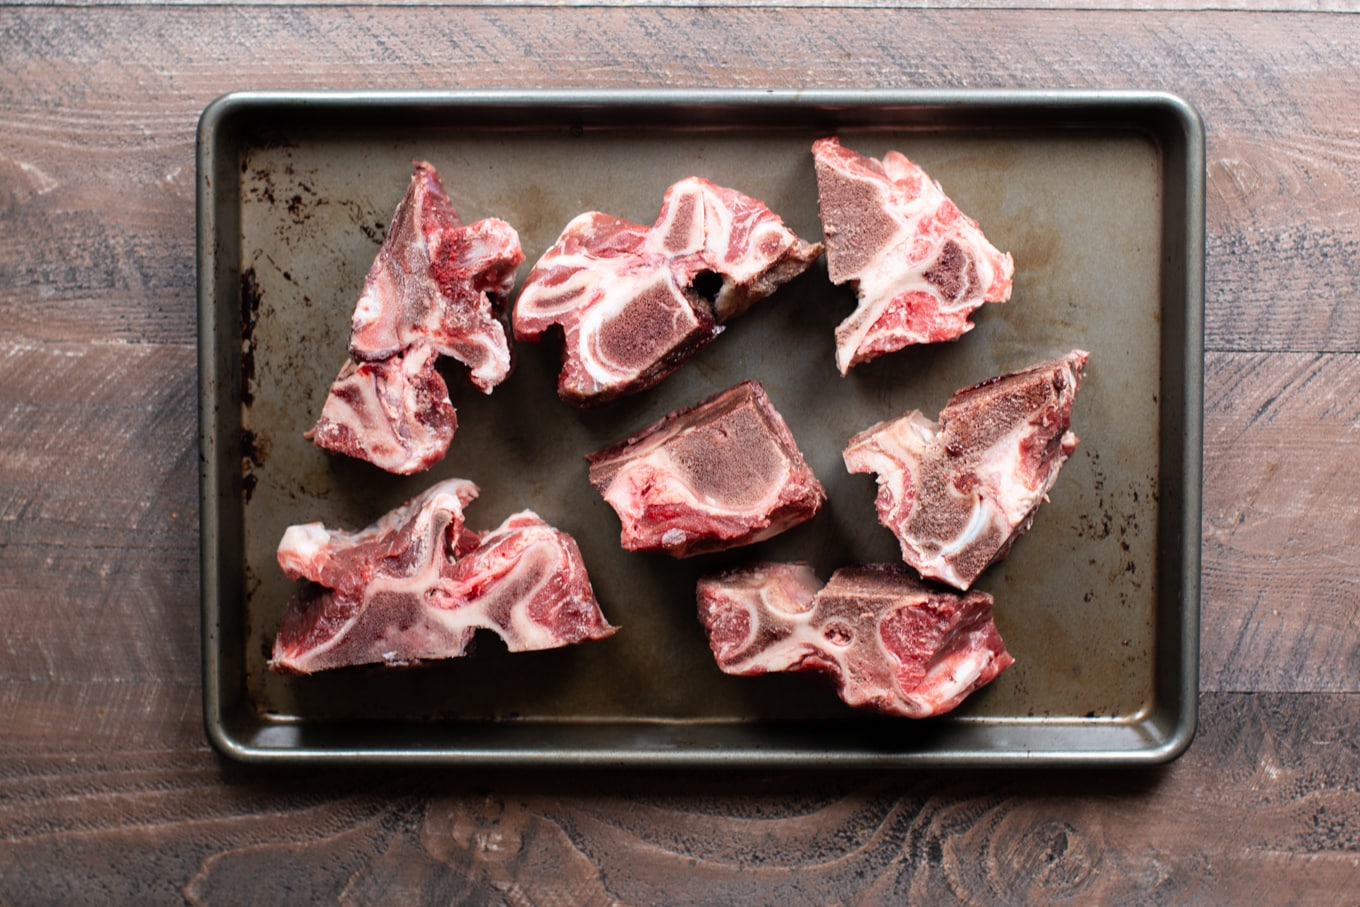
(99, 512)
(1262, 808)
(1048, 5)
(59, 722)
(101, 444)
(1281, 522)
(99, 110)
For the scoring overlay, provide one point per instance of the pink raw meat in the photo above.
(437, 286)
(920, 266)
(958, 493)
(723, 473)
(394, 412)
(634, 303)
(888, 641)
(416, 586)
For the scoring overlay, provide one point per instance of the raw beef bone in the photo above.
(723, 473)
(417, 585)
(919, 265)
(437, 286)
(394, 412)
(634, 303)
(958, 493)
(890, 642)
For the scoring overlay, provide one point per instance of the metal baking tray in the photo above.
(1099, 196)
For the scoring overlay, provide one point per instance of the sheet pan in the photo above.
(1099, 196)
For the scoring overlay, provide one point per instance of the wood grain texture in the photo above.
(1267, 792)
(1282, 522)
(1255, 6)
(97, 110)
(108, 792)
(98, 512)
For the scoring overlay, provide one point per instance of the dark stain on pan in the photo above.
(250, 314)
(253, 448)
(1117, 519)
(263, 185)
(375, 230)
(300, 202)
(1099, 524)
(254, 452)
(294, 195)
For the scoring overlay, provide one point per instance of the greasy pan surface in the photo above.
(1097, 196)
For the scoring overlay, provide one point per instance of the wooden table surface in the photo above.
(109, 791)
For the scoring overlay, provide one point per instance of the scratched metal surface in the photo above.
(1083, 211)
